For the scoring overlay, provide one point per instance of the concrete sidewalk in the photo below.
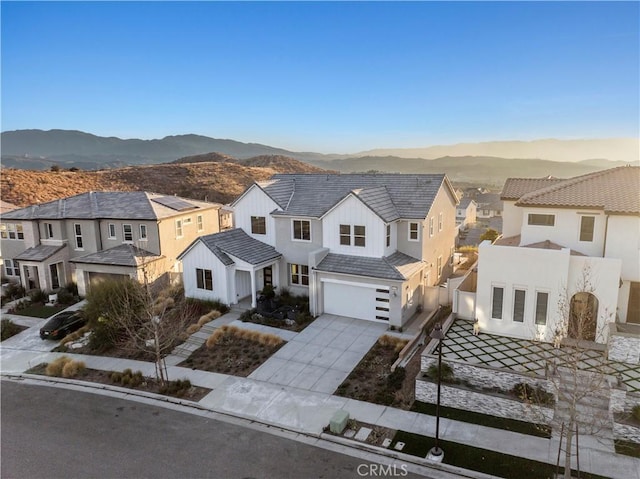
(309, 412)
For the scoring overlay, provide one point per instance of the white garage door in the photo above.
(356, 301)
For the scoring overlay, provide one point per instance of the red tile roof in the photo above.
(514, 188)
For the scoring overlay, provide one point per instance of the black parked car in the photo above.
(62, 324)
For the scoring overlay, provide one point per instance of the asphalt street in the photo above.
(57, 433)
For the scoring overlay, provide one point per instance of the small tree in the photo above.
(489, 234)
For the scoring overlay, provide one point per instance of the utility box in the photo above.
(339, 421)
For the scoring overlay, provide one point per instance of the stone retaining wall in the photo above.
(623, 348)
(460, 398)
(626, 432)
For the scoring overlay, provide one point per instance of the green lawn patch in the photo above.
(481, 460)
(40, 310)
(522, 427)
(627, 448)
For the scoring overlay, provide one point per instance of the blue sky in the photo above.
(328, 77)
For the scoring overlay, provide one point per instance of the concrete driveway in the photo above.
(322, 355)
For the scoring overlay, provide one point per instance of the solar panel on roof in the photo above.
(174, 203)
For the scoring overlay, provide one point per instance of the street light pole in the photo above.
(436, 453)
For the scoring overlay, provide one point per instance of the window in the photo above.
(55, 277)
(440, 221)
(112, 231)
(143, 232)
(48, 230)
(439, 266)
(11, 267)
(518, 305)
(541, 307)
(299, 274)
(586, 228)
(11, 231)
(388, 235)
(78, 233)
(431, 226)
(127, 233)
(358, 235)
(345, 235)
(178, 228)
(204, 279)
(414, 231)
(258, 225)
(541, 220)
(496, 302)
(452, 256)
(200, 222)
(187, 220)
(302, 230)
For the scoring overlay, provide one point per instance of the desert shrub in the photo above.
(75, 335)
(178, 388)
(127, 378)
(392, 342)
(246, 315)
(269, 339)
(193, 328)
(54, 368)
(448, 375)
(490, 234)
(55, 168)
(396, 378)
(635, 412)
(536, 395)
(210, 316)
(38, 296)
(72, 368)
(9, 328)
(201, 306)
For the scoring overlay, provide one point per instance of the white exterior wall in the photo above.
(393, 246)
(256, 202)
(511, 219)
(623, 241)
(352, 212)
(566, 230)
(201, 257)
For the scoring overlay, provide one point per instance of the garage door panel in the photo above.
(356, 301)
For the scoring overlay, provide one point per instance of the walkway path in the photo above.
(308, 412)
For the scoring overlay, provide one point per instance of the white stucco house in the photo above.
(555, 233)
(359, 245)
(466, 212)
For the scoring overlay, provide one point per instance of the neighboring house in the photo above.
(97, 235)
(489, 205)
(466, 212)
(556, 233)
(359, 245)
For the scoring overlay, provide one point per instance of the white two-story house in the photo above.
(557, 236)
(93, 236)
(359, 245)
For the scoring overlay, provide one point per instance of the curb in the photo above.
(446, 471)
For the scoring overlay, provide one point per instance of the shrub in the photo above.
(490, 234)
(176, 388)
(55, 168)
(193, 328)
(9, 328)
(127, 378)
(72, 288)
(396, 378)
(635, 412)
(536, 395)
(448, 375)
(65, 297)
(38, 296)
(54, 368)
(72, 368)
(14, 291)
(391, 341)
(201, 306)
(75, 335)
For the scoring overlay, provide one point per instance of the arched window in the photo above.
(583, 316)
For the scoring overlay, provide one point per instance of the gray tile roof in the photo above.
(39, 253)
(616, 191)
(464, 202)
(237, 243)
(122, 255)
(398, 266)
(136, 205)
(389, 195)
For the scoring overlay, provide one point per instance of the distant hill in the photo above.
(278, 163)
(214, 181)
(626, 150)
(38, 149)
(480, 170)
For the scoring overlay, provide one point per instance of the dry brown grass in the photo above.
(392, 341)
(193, 328)
(266, 339)
(69, 338)
(64, 367)
(72, 369)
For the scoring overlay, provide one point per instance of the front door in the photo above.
(268, 276)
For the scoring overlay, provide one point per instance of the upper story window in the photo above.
(414, 231)
(48, 230)
(587, 224)
(77, 229)
(258, 225)
(431, 227)
(143, 232)
(345, 235)
(301, 230)
(112, 231)
(178, 228)
(440, 221)
(388, 243)
(186, 220)
(200, 222)
(127, 232)
(358, 235)
(541, 220)
(11, 231)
